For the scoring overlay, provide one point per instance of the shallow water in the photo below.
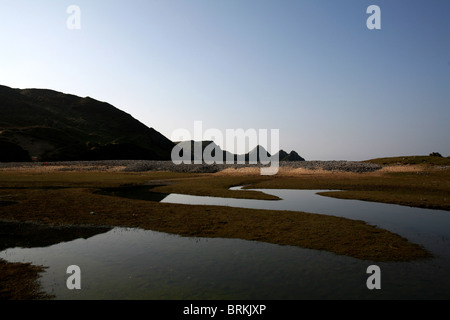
(138, 264)
(428, 227)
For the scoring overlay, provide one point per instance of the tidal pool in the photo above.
(138, 264)
(428, 227)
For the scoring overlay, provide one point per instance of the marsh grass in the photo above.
(412, 160)
(218, 186)
(339, 235)
(19, 281)
(77, 195)
(68, 198)
(426, 188)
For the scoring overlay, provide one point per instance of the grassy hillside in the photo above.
(54, 126)
(412, 160)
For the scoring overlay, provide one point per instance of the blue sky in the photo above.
(312, 69)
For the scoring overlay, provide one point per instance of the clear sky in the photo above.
(335, 89)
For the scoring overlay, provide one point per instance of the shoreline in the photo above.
(33, 192)
(150, 165)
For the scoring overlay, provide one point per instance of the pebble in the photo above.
(149, 165)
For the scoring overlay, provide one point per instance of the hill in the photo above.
(48, 125)
(412, 160)
(254, 154)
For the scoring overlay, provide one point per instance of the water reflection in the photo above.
(138, 264)
(134, 192)
(4, 203)
(428, 227)
(31, 235)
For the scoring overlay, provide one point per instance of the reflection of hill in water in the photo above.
(4, 203)
(30, 235)
(134, 192)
